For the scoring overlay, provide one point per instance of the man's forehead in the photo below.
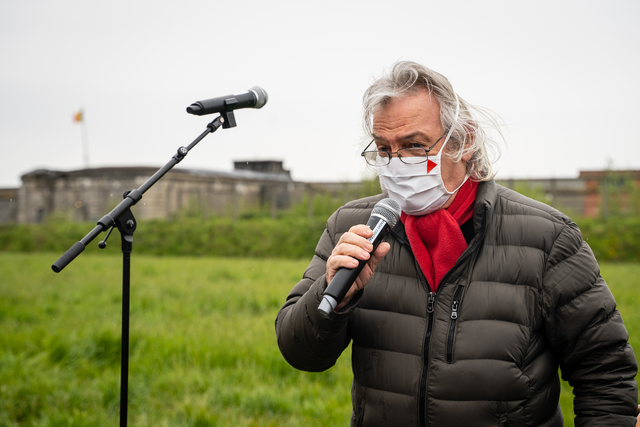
(407, 117)
(410, 136)
(421, 102)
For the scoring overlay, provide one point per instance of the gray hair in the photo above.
(407, 78)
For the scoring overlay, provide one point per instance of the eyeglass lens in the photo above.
(406, 155)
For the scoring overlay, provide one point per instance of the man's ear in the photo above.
(470, 142)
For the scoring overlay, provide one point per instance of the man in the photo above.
(463, 314)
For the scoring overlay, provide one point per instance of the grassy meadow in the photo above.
(203, 347)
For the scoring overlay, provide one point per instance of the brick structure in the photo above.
(611, 192)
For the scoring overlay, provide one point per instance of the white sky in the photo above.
(563, 75)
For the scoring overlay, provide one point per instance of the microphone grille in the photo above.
(262, 96)
(388, 209)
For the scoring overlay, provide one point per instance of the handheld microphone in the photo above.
(255, 97)
(384, 216)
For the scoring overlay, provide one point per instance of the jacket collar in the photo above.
(485, 202)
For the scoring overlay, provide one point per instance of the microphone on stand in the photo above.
(255, 97)
(384, 217)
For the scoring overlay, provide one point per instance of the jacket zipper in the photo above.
(427, 340)
(430, 308)
(454, 319)
(457, 295)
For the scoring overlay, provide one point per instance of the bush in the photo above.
(257, 238)
(293, 234)
(223, 237)
(613, 239)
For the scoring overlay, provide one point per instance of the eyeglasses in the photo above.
(410, 156)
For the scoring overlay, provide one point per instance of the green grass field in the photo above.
(203, 347)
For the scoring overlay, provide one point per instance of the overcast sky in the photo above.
(563, 75)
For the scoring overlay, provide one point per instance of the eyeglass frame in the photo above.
(426, 150)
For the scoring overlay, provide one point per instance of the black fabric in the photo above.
(467, 230)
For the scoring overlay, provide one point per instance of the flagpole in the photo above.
(79, 118)
(85, 142)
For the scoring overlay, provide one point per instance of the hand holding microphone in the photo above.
(356, 256)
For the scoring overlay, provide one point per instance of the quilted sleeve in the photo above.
(307, 339)
(588, 335)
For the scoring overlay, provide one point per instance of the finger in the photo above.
(361, 230)
(337, 261)
(356, 240)
(354, 251)
(349, 260)
(381, 251)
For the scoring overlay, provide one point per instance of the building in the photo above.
(593, 194)
(566, 194)
(610, 193)
(88, 194)
(8, 205)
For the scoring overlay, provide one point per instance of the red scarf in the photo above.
(436, 239)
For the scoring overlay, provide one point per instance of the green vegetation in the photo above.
(203, 350)
(254, 237)
(291, 236)
(614, 239)
(203, 347)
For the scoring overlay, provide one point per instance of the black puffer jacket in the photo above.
(525, 297)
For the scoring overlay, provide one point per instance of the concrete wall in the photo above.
(87, 195)
(8, 205)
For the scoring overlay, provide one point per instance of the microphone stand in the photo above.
(122, 218)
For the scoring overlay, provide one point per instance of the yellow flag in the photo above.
(77, 117)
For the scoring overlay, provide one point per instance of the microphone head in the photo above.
(261, 96)
(388, 209)
(194, 108)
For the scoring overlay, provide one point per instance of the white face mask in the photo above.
(418, 188)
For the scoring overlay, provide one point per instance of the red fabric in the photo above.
(436, 239)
